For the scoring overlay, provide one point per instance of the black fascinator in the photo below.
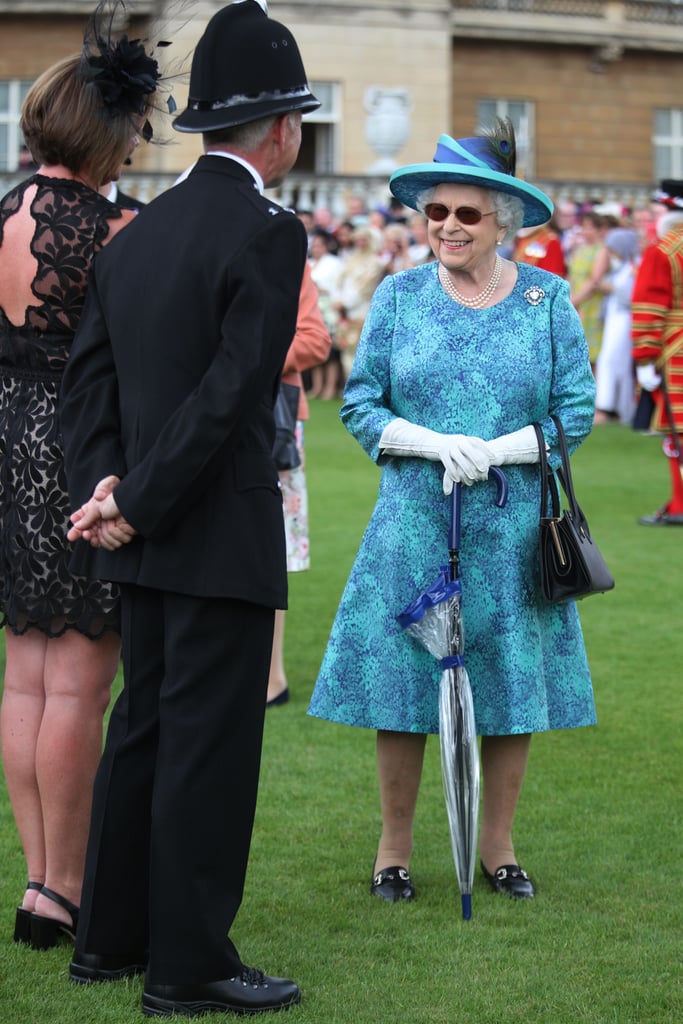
(125, 74)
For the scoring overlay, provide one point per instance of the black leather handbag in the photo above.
(571, 563)
(285, 451)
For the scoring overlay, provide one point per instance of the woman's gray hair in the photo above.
(509, 209)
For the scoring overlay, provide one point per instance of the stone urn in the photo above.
(387, 125)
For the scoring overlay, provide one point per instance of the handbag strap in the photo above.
(565, 475)
(548, 483)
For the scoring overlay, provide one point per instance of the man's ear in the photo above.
(280, 129)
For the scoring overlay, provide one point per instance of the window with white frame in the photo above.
(667, 143)
(12, 94)
(320, 131)
(521, 114)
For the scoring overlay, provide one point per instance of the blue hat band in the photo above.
(448, 154)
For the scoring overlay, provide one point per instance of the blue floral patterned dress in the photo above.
(483, 372)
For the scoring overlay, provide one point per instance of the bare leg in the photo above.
(277, 680)
(317, 380)
(75, 676)
(78, 677)
(504, 760)
(23, 704)
(331, 380)
(399, 767)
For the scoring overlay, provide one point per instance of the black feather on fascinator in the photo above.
(125, 74)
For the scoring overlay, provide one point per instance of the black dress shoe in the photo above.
(392, 884)
(251, 991)
(86, 968)
(511, 880)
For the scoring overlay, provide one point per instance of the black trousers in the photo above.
(175, 792)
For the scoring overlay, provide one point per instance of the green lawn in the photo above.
(599, 825)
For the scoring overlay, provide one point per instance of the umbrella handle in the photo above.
(501, 485)
(456, 500)
(454, 528)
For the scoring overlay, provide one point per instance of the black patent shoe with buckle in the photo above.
(511, 880)
(392, 884)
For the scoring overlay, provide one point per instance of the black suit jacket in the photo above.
(171, 382)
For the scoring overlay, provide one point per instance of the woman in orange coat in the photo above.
(310, 347)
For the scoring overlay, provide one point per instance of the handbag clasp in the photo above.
(557, 542)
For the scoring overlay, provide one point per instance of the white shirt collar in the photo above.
(258, 180)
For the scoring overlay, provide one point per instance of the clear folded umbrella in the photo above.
(435, 619)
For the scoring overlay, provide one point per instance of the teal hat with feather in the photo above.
(487, 161)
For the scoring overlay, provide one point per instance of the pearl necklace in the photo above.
(477, 301)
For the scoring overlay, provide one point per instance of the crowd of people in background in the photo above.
(595, 245)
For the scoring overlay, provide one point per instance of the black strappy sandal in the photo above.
(46, 931)
(22, 922)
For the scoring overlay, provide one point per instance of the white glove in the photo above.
(648, 378)
(465, 459)
(515, 449)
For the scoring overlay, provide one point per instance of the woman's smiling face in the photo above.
(462, 247)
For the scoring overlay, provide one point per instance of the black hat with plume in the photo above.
(670, 193)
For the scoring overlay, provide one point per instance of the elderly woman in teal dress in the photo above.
(457, 359)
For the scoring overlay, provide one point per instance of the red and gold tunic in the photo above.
(657, 321)
(541, 248)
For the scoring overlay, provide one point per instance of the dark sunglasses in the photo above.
(467, 215)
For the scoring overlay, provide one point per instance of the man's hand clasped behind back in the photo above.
(99, 521)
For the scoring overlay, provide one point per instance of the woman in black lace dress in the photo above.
(62, 636)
